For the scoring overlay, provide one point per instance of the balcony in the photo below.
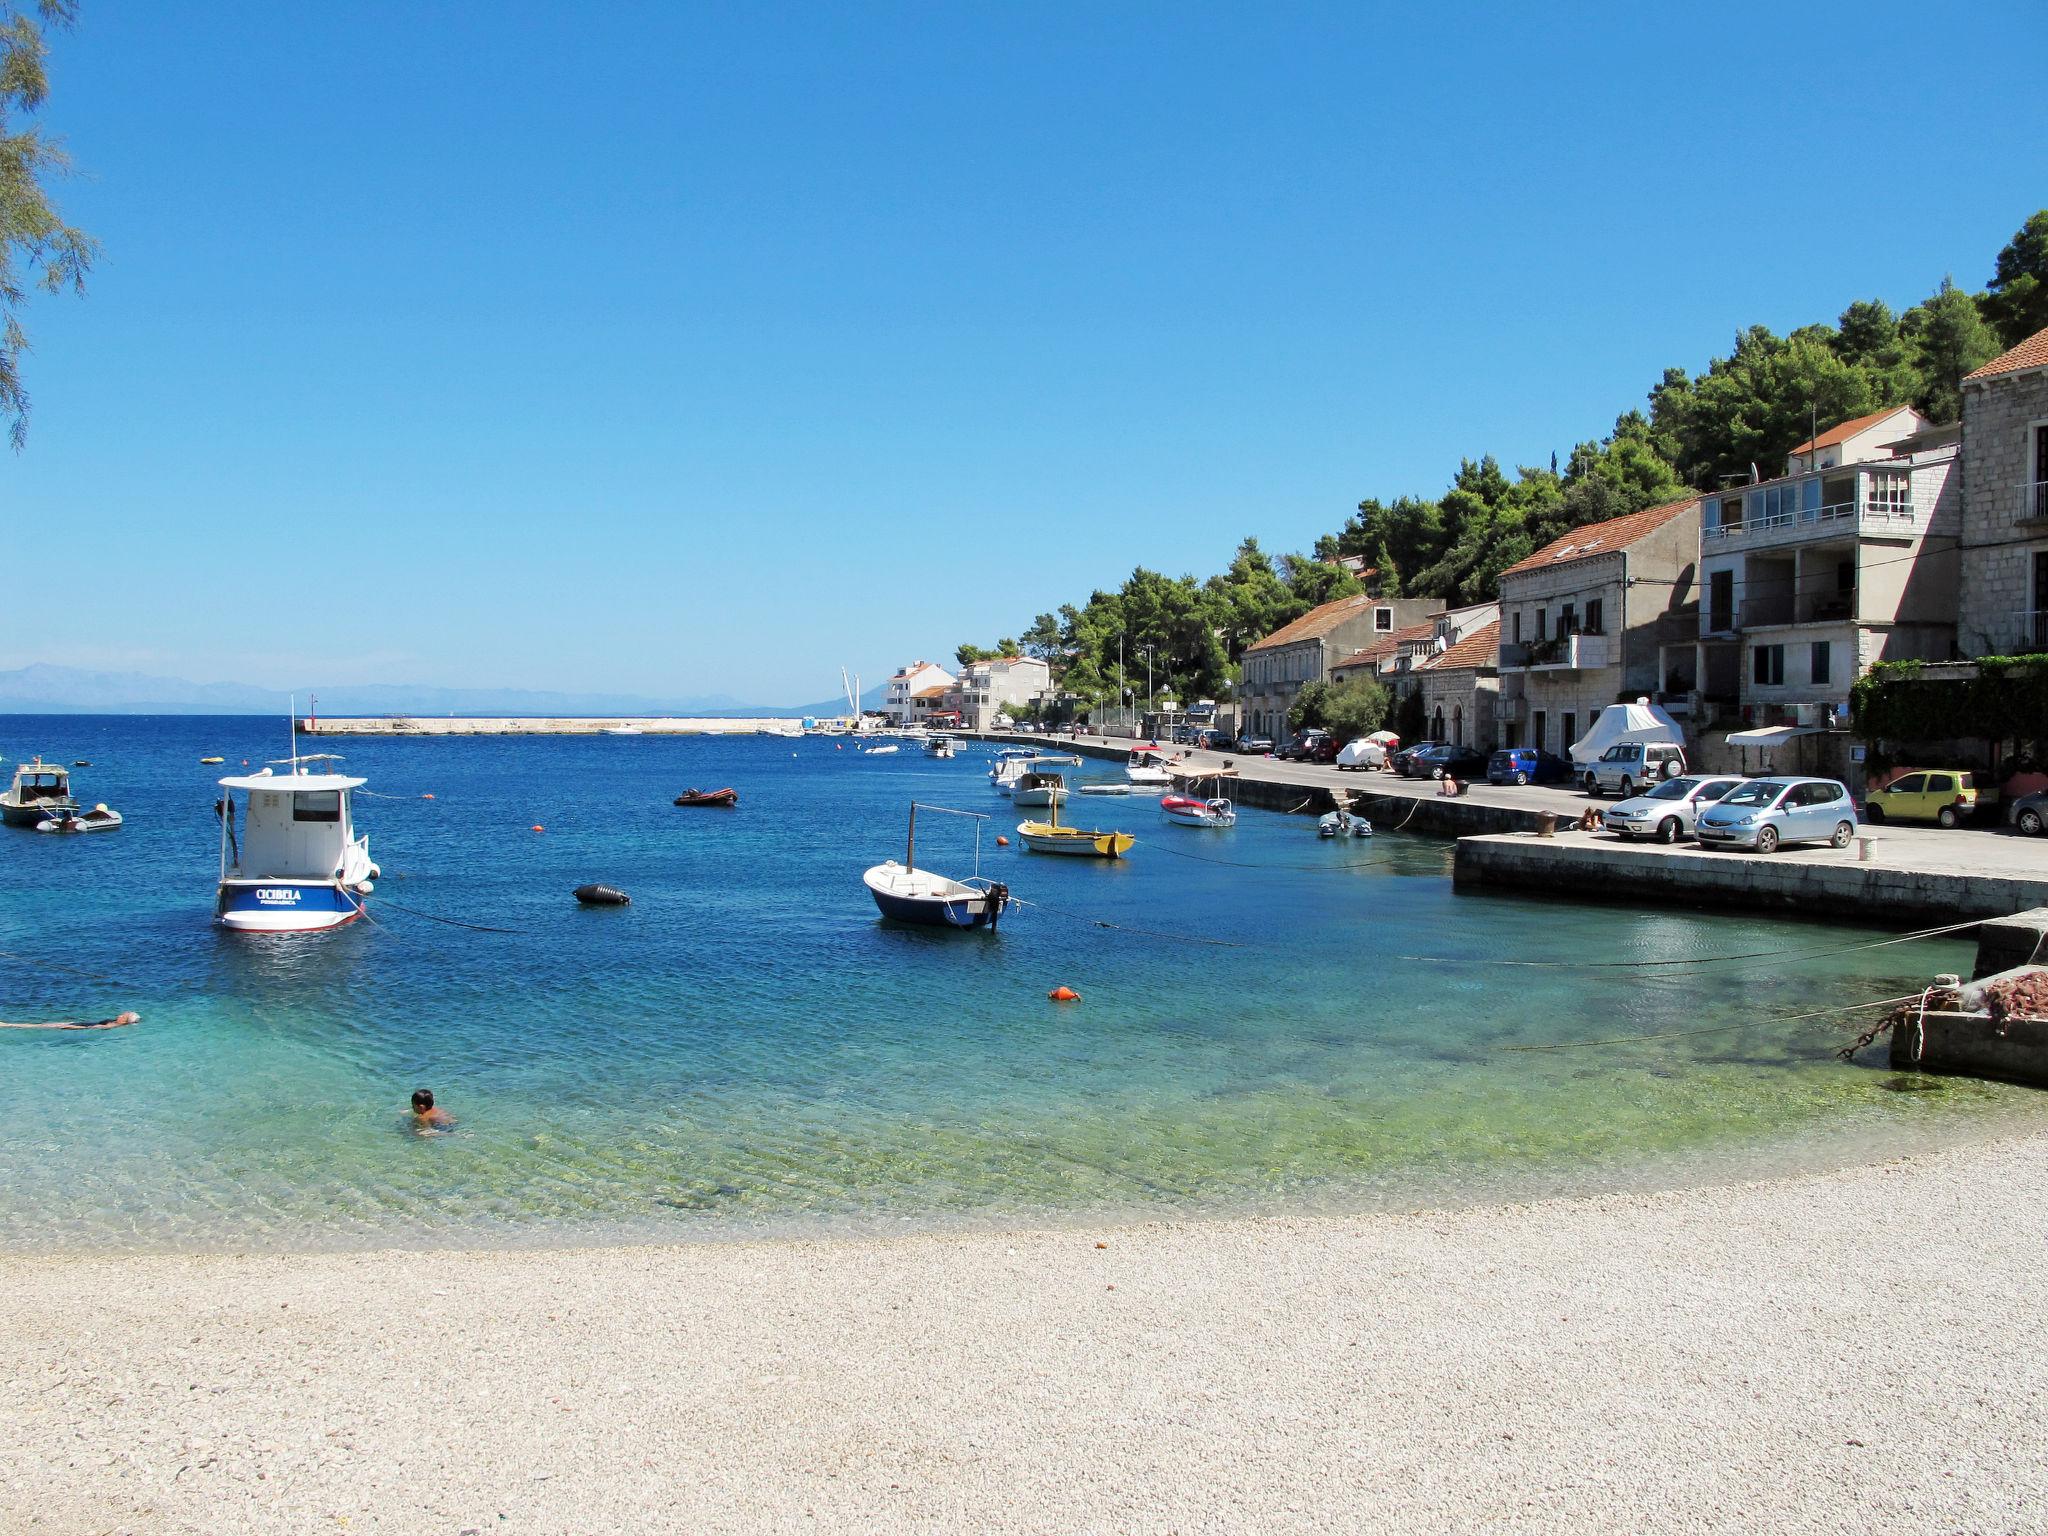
(2034, 502)
(1759, 612)
(1560, 653)
(2030, 634)
(1883, 507)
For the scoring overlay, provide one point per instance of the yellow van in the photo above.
(1950, 796)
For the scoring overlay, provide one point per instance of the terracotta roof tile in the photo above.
(1316, 623)
(1481, 648)
(1842, 432)
(1602, 538)
(2031, 353)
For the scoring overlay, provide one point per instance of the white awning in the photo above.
(1770, 735)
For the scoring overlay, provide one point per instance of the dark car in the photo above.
(1433, 762)
(1398, 762)
(1323, 750)
(1526, 765)
(1302, 745)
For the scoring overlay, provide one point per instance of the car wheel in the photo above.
(1668, 830)
(1628, 787)
(1874, 814)
(1521, 778)
(2030, 823)
(1436, 773)
(1950, 817)
(1844, 830)
(1592, 786)
(1767, 840)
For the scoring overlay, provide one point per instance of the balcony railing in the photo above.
(1766, 610)
(1876, 512)
(2034, 502)
(2033, 632)
(1573, 652)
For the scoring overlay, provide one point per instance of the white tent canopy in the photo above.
(1640, 721)
(1770, 735)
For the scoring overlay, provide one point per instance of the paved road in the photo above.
(1974, 850)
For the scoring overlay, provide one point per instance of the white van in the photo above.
(1629, 765)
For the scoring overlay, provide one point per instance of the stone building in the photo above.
(2004, 545)
(1452, 660)
(1603, 614)
(1277, 667)
(1847, 558)
(988, 688)
(909, 681)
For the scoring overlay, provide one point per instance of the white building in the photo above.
(909, 681)
(988, 688)
(1845, 559)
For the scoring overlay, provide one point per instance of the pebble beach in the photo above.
(1854, 1351)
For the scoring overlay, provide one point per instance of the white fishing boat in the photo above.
(1040, 789)
(1147, 768)
(1011, 764)
(296, 866)
(940, 746)
(908, 894)
(40, 790)
(1187, 811)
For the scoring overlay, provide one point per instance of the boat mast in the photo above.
(292, 721)
(910, 851)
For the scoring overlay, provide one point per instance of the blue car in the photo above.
(1526, 765)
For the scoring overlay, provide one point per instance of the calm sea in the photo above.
(747, 1049)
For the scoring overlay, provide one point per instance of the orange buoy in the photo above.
(1002, 842)
(426, 797)
(538, 827)
(1064, 995)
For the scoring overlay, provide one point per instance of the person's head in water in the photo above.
(424, 1113)
(422, 1101)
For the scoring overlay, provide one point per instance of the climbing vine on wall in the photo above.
(2006, 702)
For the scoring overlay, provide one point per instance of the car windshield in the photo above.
(1757, 792)
(1673, 789)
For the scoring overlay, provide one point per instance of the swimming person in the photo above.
(425, 1117)
(119, 1021)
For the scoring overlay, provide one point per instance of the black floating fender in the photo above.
(602, 896)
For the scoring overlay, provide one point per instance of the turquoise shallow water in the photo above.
(747, 1049)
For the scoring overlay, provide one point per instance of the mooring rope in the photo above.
(1695, 960)
(1150, 933)
(1719, 1029)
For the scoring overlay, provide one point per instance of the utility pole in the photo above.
(1151, 698)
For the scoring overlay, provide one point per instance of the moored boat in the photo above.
(940, 746)
(297, 866)
(1342, 824)
(98, 819)
(40, 790)
(1187, 811)
(716, 797)
(1040, 789)
(1051, 837)
(1146, 767)
(906, 894)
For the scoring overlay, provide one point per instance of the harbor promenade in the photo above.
(1892, 874)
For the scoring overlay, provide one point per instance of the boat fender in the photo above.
(364, 887)
(538, 827)
(602, 896)
(1064, 995)
(426, 797)
(1002, 841)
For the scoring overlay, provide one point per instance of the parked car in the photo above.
(1433, 762)
(1303, 743)
(1670, 811)
(1363, 753)
(1948, 796)
(1399, 761)
(1766, 813)
(1627, 766)
(2028, 813)
(1213, 740)
(1526, 765)
(1253, 746)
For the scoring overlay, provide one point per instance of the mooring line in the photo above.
(1150, 933)
(1718, 1029)
(1694, 960)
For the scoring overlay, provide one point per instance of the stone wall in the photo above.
(1998, 549)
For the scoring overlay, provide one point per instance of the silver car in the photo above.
(1764, 813)
(2029, 813)
(1669, 811)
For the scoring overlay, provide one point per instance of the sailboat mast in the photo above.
(292, 720)
(910, 850)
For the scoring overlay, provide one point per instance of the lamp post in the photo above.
(1151, 698)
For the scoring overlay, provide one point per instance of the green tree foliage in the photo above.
(1411, 720)
(2017, 302)
(1308, 708)
(1356, 707)
(37, 248)
(1003, 649)
(1948, 336)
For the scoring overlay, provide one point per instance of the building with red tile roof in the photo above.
(1279, 665)
(2003, 609)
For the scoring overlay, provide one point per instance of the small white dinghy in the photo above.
(1186, 811)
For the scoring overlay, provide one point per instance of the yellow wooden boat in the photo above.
(1051, 837)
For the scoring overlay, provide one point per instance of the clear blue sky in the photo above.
(700, 348)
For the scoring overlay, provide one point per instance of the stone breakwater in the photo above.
(547, 725)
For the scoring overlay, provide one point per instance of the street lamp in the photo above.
(1151, 698)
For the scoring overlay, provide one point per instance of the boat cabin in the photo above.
(38, 789)
(295, 861)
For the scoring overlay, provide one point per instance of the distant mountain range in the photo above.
(48, 690)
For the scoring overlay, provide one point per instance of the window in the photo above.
(1458, 725)
(1536, 723)
(1809, 501)
(1571, 729)
(1383, 619)
(316, 805)
(1768, 665)
(1820, 659)
(1542, 618)
(1518, 626)
(1845, 576)
(1593, 616)
(1731, 511)
(1567, 620)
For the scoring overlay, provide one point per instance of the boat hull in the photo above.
(1041, 837)
(1044, 798)
(35, 811)
(928, 900)
(284, 906)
